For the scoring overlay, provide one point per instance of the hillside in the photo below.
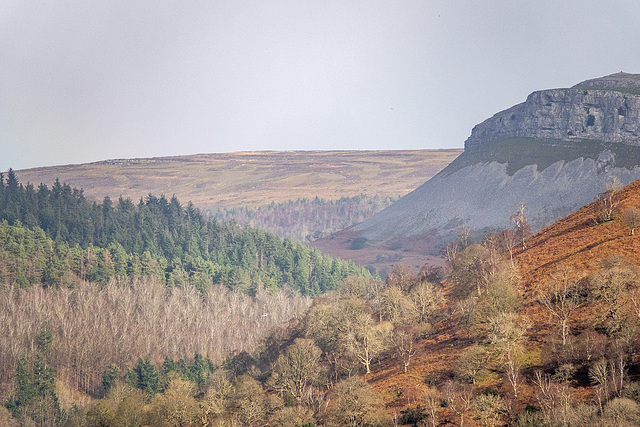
(554, 152)
(155, 237)
(302, 195)
(478, 348)
(577, 241)
(580, 242)
(252, 179)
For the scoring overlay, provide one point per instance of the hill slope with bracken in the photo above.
(580, 241)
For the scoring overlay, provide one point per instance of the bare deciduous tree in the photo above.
(509, 241)
(513, 374)
(592, 345)
(404, 346)
(611, 285)
(507, 332)
(402, 276)
(297, 367)
(367, 339)
(176, 406)
(464, 233)
(217, 397)
(472, 361)
(353, 402)
(459, 398)
(631, 218)
(451, 251)
(466, 308)
(607, 201)
(618, 370)
(489, 408)
(115, 325)
(564, 296)
(470, 271)
(347, 326)
(249, 401)
(556, 401)
(599, 376)
(523, 229)
(396, 307)
(609, 376)
(426, 298)
(432, 401)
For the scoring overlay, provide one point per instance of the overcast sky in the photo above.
(88, 80)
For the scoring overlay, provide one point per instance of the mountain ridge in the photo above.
(525, 155)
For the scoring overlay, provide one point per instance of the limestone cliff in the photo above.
(605, 109)
(555, 152)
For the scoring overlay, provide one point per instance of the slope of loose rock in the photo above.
(555, 152)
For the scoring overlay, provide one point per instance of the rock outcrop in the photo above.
(605, 109)
(555, 152)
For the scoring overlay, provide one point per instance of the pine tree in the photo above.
(148, 377)
(109, 378)
(42, 368)
(26, 389)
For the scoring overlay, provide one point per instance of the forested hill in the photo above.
(55, 236)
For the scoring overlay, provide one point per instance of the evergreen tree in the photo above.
(26, 389)
(155, 238)
(43, 368)
(35, 392)
(200, 370)
(109, 378)
(148, 377)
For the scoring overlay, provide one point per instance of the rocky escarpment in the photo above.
(605, 109)
(555, 152)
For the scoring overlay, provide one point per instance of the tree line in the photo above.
(154, 358)
(308, 372)
(306, 220)
(57, 237)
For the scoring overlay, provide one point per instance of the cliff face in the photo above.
(555, 152)
(605, 109)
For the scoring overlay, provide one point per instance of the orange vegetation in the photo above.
(578, 241)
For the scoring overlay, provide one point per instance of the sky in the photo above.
(90, 80)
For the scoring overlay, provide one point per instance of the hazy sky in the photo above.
(88, 80)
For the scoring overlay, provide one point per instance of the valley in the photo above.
(502, 288)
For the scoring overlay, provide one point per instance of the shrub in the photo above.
(359, 243)
(620, 410)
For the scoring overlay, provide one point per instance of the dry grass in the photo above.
(578, 241)
(252, 179)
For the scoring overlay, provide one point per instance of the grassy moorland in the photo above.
(252, 179)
